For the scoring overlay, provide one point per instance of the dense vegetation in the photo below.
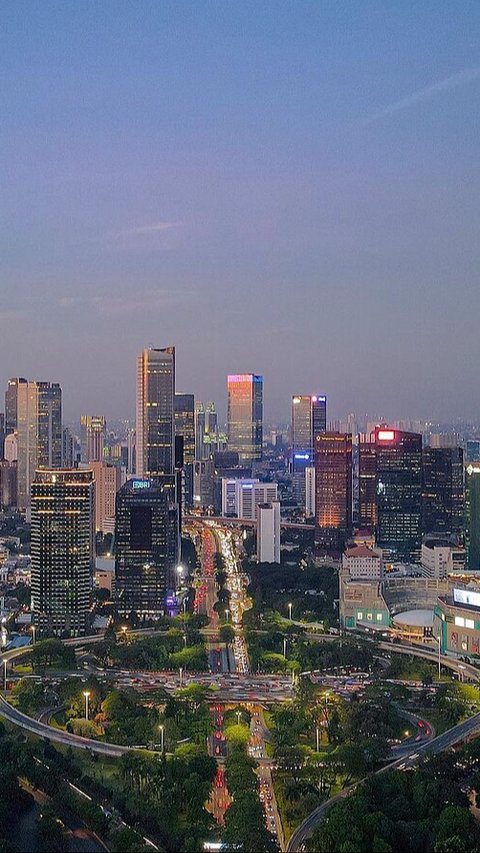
(266, 647)
(311, 591)
(180, 645)
(416, 812)
(245, 820)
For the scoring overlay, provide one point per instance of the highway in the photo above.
(57, 735)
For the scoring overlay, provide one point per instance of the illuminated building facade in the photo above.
(155, 412)
(63, 549)
(333, 489)
(146, 545)
(185, 426)
(35, 415)
(443, 499)
(399, 493)
(472, 516)
(93, 437)
(367, 483)
(108, 480)
(245, 415)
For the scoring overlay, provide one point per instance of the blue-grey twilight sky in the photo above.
(289, 188)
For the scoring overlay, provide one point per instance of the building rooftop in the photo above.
(360, 551)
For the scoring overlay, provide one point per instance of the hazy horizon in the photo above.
(285, 189)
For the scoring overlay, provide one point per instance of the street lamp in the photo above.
(185, 640)
(284, 647)
(179, 571)
(462, 670)
(33, 635)
(86, 693)
(239, 713)
(290, 611)
(162, 736)
(227, 613)
(181, 673)
(5, 675)
(124, 630)
(317, 733)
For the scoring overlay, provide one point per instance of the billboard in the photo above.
(466, 596)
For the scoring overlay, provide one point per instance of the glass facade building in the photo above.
(63, 549)
(155, 412)
(333, 489)
(146, 545)
(399, 493)
(443, 499)
(245, 415)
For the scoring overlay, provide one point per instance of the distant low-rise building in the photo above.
(363, 563)
(439, 558)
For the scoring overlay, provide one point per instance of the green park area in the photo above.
(426, 810)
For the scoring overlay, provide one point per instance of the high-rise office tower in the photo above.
(333, 490)
(68, 452)
(11, 405)
(443, 498)
(63, 549)
(2, 435)
(93, 436)
(146, 545)
(49, 425)
(38, 420)
(472, 516)
(155, 412)
(108, 481)
(399, 493)
(367, 482)
(309, 418)
(199, 430)
(185, 427)
(245, 415)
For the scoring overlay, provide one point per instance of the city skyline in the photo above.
(302, 178)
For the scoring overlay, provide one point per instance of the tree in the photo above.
(226, 634)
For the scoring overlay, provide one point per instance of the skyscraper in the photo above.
(38, 423)
(93, 435)
(399, 493)
(63, 553)
(333, 490)
(309, 419)
(199, 430)
(472, 516)
(245, 415)
(367, 482)
(11, 405)
(146, 545)
(185, 427)
(443, 497)
(155, 412)
(108, 480)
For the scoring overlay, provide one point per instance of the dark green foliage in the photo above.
(416, 812)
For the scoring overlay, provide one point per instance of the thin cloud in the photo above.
(143, 301)
(449, 83)
(144, 230)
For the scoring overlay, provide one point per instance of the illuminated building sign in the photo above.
(302, 456)
(466, 596)
(140, 484)
(386, 435)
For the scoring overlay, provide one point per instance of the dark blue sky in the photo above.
(285, 188)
